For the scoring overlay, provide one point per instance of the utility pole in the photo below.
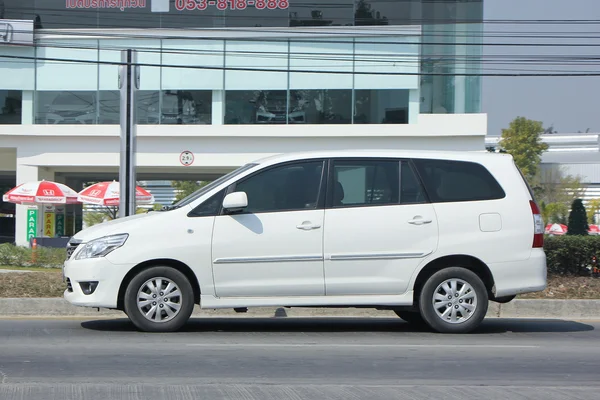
(129, 82)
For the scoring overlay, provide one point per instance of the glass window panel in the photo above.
(324, 58)
(186, 107)
(260, 56)
(134, 14)
(359, 183)
(63, 75)
(381, 106)
(377, 12)
(411, 191)
(109, 107)
(291, 187)
(10, 106)
(148, 52)
(148, 107)
(201, 53)
(66, 108)
(395, 60)
(316, 14)
(255, 107)
(320, 106)
(17, 73)
(458, 181)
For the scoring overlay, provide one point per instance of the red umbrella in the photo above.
(41, 192)
(556, 229)
(594, 230)
(107, 194)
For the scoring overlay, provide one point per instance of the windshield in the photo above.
(210, 186)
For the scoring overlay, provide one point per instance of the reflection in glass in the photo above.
(240, 13)
(10, 106)
(147, 106)
(174, 107)
(109, 107)
(255, 107)
(320, 106)
(382, 106)
(72, 108)
(186, 107)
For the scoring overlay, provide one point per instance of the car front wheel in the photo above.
(453, 300)
(159, 299)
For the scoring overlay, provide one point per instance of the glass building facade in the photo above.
(422, 54)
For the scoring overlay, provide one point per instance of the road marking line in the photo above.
(444, 346)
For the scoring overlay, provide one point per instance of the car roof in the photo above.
(475, 156)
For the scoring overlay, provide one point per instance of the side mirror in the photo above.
(236, 201)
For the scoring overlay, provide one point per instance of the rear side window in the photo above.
(456, 181)
(365, 182)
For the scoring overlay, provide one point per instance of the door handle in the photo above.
(307, 226)
(418, 220)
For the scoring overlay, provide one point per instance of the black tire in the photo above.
(472, 319)
(504, 300)
(412, 317)
(185, 300)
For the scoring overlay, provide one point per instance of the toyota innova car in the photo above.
(432, 236)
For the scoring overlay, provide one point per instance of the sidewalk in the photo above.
(58, 307)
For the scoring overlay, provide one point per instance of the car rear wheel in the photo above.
(453, 300)
(159, 299)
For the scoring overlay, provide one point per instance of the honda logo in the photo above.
(6, 32)
(48, 192)
(95, 193)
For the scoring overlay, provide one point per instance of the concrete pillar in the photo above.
(218, 107)
(27, 108)
(28, 173)
(414, 103)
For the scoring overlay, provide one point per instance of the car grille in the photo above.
(71, 247)
(69, 287)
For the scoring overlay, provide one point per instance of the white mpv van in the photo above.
(430, 235)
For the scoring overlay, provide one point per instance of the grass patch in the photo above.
(32, 284)
(568, 287)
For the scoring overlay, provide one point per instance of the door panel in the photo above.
(374, 250)
(378, 227)
(268, 255)
(275, 247)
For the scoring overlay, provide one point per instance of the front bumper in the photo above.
(108, 275)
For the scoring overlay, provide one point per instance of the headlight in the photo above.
(101, 247)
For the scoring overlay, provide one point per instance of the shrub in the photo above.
(571, 255)
(45, 257)
(578, 219)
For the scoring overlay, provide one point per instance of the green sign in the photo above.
(32, 214)
(60, 224)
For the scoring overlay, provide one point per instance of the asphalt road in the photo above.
(290, 358)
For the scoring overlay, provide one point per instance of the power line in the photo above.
(279, 70)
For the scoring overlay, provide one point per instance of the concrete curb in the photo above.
(58, 307)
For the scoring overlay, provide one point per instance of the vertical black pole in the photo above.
(128, 83)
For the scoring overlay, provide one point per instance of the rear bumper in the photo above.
(527, 276)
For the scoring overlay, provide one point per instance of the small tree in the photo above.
(555, 213)
(593, 210)
(185, 188)
(522, 140)
(578, 224)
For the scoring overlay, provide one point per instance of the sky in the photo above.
(570, 104)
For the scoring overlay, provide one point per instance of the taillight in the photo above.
(538, 226)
